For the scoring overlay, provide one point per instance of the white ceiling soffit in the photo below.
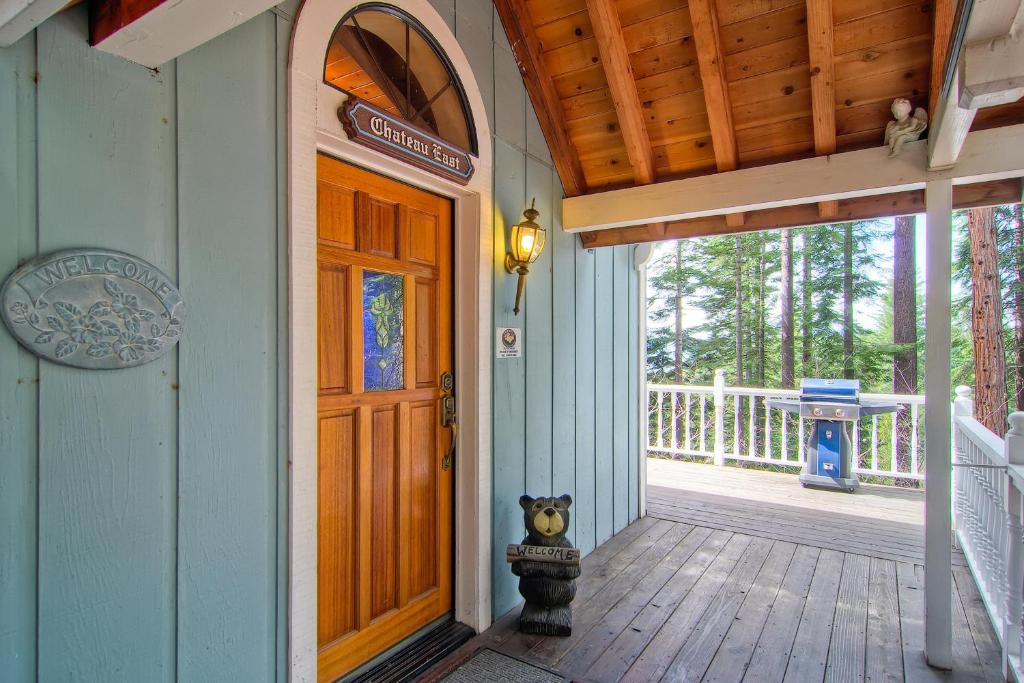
(18, 17)
(176, 26)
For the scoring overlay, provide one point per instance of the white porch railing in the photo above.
(720, 423)
(988, 481)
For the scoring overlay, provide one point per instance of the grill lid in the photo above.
(837, 390)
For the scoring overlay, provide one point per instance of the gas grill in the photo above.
(831, 405)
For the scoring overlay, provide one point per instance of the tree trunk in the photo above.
(986, 322)
(848, 370)
(807, 304)
(904, 328)
(786, 296)
(904, 308)
(1018, 307)
(679, 314)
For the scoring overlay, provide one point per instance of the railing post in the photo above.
(1014, 444)
(719, 417)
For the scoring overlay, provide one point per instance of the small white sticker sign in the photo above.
(508, 342)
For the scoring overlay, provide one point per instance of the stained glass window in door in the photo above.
(383, 331)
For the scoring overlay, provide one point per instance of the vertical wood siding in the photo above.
(139, 511)
(565, 413)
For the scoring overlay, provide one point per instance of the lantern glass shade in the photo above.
(527, 241)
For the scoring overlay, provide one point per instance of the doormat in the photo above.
(418, 656)
(488, 666)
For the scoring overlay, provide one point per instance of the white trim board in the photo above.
(987, 155)
(173, 28)
(313, 126)
(19, 17)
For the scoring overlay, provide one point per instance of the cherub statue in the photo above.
(905, 128)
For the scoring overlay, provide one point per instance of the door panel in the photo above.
(384, 506)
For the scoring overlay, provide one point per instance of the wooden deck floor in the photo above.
(738, 575)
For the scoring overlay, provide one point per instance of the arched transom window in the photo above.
(383, 56)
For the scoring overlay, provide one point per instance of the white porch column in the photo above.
(938, 525)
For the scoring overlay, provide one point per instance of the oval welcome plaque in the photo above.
(93, 308)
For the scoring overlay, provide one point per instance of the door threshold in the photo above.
(413, 655)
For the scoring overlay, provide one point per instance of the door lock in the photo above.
(448, 418)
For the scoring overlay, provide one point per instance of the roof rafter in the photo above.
(859, 208)
(823, 86)
(526, 47)
(604, 19)
(708, 42)
(942, 34)
(618, 71)
(712, 76)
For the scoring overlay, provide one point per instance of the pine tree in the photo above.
(786, 300)
(986, 322)
(904, 325)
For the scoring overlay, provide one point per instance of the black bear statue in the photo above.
(547, 587)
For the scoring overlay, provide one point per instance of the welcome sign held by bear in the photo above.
(547, 566)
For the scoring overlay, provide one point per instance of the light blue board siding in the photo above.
(18, 372)
(227, 457)
(634, 417)
(586, 401)
(474, 24)
(130, 585)
(510, 101)
(537, 318)
(509, 428)
(108, 439)
(563, 248)
(604, 392)
(620, 385)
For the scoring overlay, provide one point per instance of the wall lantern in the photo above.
(527, 243)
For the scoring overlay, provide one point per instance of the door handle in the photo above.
(448, 418)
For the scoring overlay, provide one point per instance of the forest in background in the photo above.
(843, 300)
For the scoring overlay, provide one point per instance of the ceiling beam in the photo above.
(861, 208)
(19, 17)
(604, 19)
(526, 47)
(942, 35)
(987, 155)
(708, 42)
(823, 85)
(618, 71)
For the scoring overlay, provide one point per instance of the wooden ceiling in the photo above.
(631, 92)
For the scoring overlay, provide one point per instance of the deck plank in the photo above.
(989, 650)
(760, 571)
(744, 576)
(591, 612)
(628, 645)
(884, 656)
(810, 650)
(775, 641)
(591, 645)
(849, 627)
(662, 649)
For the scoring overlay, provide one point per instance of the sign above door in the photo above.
(381, 131)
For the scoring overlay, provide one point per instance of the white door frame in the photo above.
(313, 126)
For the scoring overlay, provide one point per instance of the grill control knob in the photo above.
(817, 412)
(840, 412)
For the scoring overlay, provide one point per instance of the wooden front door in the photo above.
(384, 536)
